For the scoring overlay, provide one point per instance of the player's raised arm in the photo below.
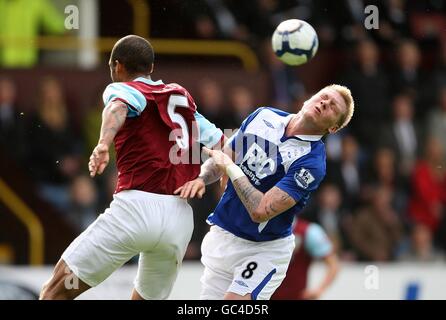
(213, 138)
(271, 204)
(260, 206)
(209, 173)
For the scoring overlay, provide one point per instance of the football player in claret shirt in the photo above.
(152, 125)
(274, 162)
(312, 243)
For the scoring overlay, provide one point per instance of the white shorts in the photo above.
(159, 227)
(233, 264)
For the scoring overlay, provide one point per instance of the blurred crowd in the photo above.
(44, 143)
(384, 196)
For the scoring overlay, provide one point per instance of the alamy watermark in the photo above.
(71, 280)
(371, 280)
(371, 21)
(72, 17)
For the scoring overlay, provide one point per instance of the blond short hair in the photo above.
(348, 99)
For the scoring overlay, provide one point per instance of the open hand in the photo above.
(98, 160)
(191, 189)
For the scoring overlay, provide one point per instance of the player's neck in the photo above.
(132, 77)
(298, 126)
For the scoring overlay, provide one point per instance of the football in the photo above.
(295, 42)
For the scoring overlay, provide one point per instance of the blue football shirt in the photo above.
(268, 158)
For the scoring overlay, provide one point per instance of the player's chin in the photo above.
(313, 116)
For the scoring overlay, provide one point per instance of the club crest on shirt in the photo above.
(303, 178)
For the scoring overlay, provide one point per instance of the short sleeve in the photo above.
(302, 178)
(135, 100)
(317, 243)
(210, 135)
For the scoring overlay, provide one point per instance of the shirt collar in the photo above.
(149, 81)
(308, 137)
(305, 137)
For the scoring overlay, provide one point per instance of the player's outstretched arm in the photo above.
(260, 206)
(113, 117)
(332, 269)
(210, 172)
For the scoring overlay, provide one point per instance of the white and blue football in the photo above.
(295, 42)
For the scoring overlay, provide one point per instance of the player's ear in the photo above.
(151, 69)
(118, 66)
(333, 129)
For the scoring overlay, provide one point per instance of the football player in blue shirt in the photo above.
(274, 162)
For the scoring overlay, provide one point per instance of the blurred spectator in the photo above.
(327, 213)
(225, 20)
(383, 174)
(403, 134)
(439, 71)
(205, 27)
(421, 248)
(285, 84)
(333, 145)
(427, 19)
(341, 21)
(393, 20)
(83, 202)
(210, 103)
(242, 103)
(428, 198)
(376, 231)
(370, 87)
(346, 173)
(211, 19)
(204, 21)
(383, 170)
(254, 16)
(54, 151)
(408, 77)
(21, 23)
(311, 243)
(11, 121)
(436, 123)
